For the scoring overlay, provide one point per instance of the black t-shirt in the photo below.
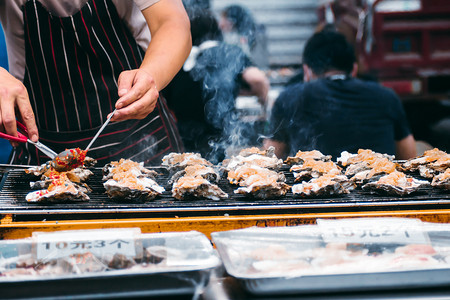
(203, 99)
(336, 115)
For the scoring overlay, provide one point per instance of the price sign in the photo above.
(98, 242)
(373, 231)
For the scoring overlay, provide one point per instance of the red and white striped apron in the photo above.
(72, 67)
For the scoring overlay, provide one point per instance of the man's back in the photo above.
(337, 115)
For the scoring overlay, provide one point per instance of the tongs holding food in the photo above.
(23, 138)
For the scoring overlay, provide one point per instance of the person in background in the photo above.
(202, 95)
(240, 28)
(332, 111)
(71, 63)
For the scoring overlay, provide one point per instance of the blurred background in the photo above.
(403, 44)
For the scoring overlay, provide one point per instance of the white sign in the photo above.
(98, 242)
(373, 231)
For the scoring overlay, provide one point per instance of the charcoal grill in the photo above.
(246, 211)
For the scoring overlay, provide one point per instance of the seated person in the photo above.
(333, 112)
(202, 95)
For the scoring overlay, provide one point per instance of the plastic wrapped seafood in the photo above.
(301, 156)
(188, 187)
(311, 168)
(130, 181)
(111, 261)
(264, 159)
(396, 183)
(344, 255)
(325, 185)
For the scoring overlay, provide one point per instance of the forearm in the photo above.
(171, 41)
(406, 148)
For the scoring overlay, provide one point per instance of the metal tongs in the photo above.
(23, 138)
(70, 158)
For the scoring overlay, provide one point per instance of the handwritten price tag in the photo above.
(373, 231)
(98, 242)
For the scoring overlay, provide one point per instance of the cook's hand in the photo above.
(138, 95)
(14, 95)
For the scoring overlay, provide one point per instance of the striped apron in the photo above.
(72, 67)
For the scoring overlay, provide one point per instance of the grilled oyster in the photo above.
(127, 166)
(253, 156)
(442, 180)
(326, 185)
(241, 173)
(188, 187)
(261, 186)
(431, 163)
(197, 170)
(365, 171)
(301, 156)
(395, 183)
(364, 155)
(59, 190)
(127, 186)
(178, 161)
(311, 168)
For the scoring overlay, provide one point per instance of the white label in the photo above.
(98, 242)
(373, 231)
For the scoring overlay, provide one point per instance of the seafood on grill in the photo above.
(127, 166)
(258, 182)
(209, 173)
(363, 156)
(396, 183)
(197, 187)
(442, 180)
(129, 180)
(301, 156)
(325, 185)
(240, 174)
(38, 171)
(264, 159)
(179, 161)
(431, 163)
(366, 165)
(311, 168)
(59, 190)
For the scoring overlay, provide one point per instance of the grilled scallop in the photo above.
(179, 161)
(253, 156)
(311, 168)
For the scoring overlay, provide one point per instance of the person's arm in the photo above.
(406, 148)
(14, 99)
(281, 149)
(169, 47)
(258, 82)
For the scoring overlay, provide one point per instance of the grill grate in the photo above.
(16, 186)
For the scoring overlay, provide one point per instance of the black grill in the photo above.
(15, 186)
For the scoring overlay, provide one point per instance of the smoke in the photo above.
(219, 69)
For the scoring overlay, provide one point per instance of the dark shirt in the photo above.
(203, 99)
(336, 115)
